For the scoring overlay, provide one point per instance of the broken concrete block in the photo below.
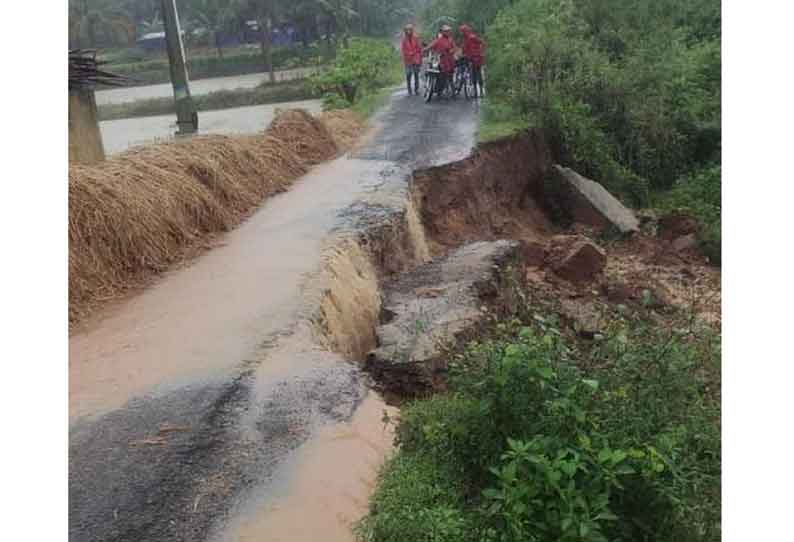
(431, 306)
(587, 202)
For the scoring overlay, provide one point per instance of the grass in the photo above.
(223, 99)
(545, 437)
(498, 121)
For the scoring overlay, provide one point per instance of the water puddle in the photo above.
(330, 482)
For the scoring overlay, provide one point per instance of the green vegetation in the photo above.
(543, 438)
(361, 69)
(497, 123)
(699, 193)
(223, 99)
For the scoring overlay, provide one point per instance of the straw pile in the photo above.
(345, 126)
(136, 214)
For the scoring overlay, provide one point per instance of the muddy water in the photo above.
(119, 135)
(329, 483)
(199, 321)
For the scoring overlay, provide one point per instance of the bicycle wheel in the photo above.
(468, 86)
(430, 86)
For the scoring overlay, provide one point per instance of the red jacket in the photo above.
(445, 46)
(411, 50)
(474, 48)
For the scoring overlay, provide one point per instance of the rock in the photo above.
(433, 305)
(582, 262)
(677, 224)
(589, 203)
(685, 243)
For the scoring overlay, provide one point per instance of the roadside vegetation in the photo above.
(358, 76)
(542, 435)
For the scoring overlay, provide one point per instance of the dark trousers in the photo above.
(412, 71)
(476, 77)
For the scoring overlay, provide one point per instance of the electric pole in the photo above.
(186, 116)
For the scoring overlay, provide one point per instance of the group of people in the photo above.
(473, 53)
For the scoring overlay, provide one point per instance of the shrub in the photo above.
(529, 446)
(360, 67)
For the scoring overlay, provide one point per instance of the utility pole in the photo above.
(186, 116)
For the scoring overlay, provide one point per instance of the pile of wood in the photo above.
(85, 71)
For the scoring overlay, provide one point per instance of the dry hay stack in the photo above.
(345, 126)
(306, 135)
(135, 214)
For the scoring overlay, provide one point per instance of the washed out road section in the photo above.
(199, 407)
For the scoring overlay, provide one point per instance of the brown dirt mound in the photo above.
(345, 126)
(136, 214)
(491, 195)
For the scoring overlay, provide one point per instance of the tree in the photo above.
(215, 16)
(90, 19)
(265, 13)
(340, 15)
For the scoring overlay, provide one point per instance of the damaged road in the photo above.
(191, 400)
(230, 401)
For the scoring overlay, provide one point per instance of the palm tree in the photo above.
(90, 18)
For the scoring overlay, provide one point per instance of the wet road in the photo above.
(205, 409)
(119, 135)
(197, 87)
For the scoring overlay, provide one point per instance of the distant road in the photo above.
(198, 87)
(119, 135)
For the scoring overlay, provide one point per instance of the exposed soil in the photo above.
(494, 194)
(498, 193)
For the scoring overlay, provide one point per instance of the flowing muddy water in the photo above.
(119, 135)
(220, 401)
(200, 321)
(329, 485)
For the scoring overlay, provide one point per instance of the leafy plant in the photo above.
(361, 67)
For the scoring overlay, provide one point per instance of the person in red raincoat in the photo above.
(412, 57)
(474, 53)
(444, 46)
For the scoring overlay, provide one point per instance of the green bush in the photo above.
(361, 67)
(529, 446)
(628, 91)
